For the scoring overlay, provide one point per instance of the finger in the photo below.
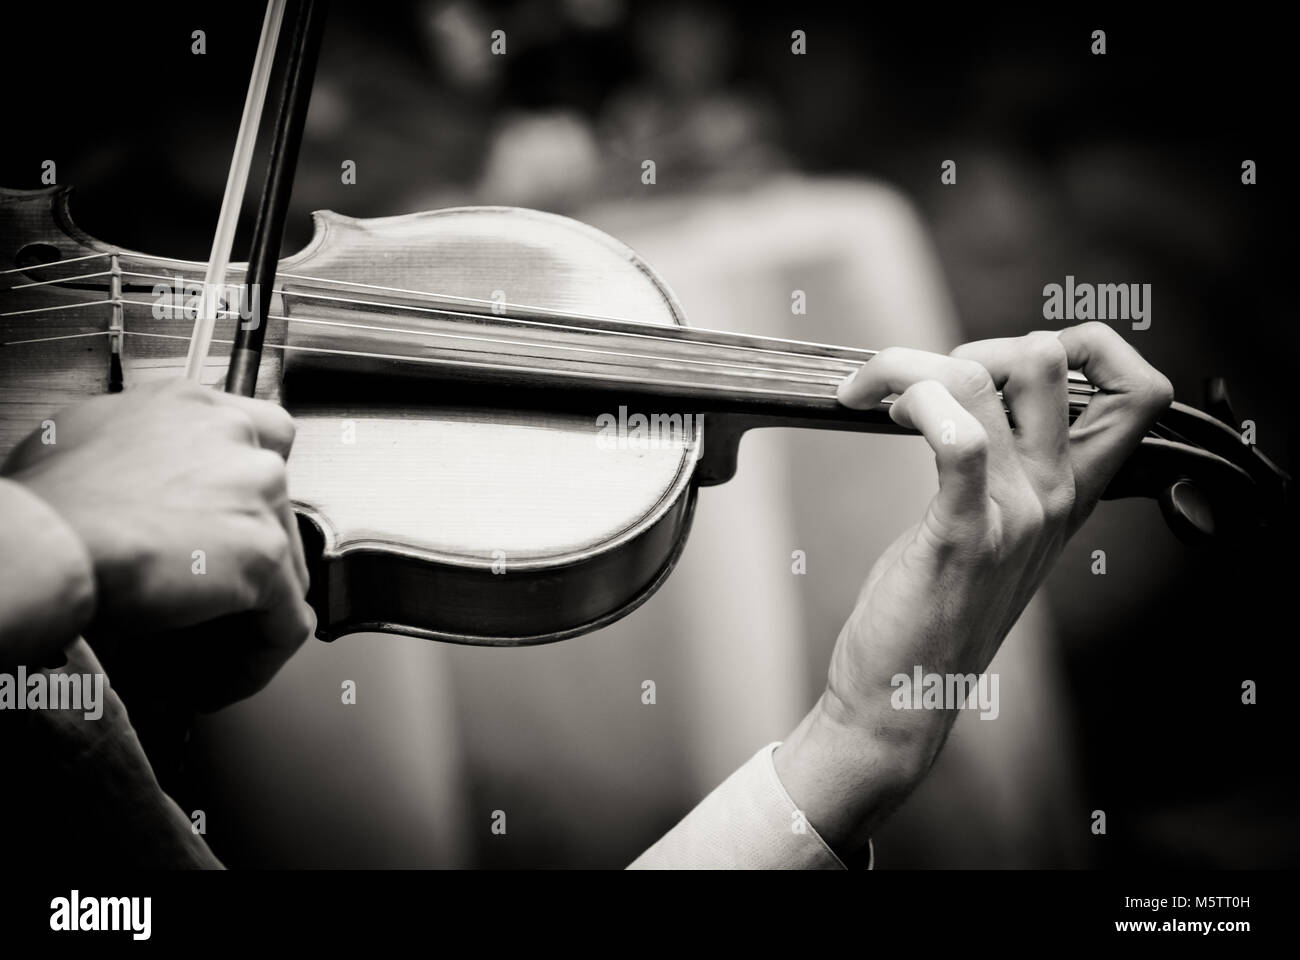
(1031, 372)
(894, 370)
(275, 428)
(1111, 363)
(284, 628)
(284, 623)
(268, 474)
(960, 445)
(239, 650)
(1131, 396)
(223, 660)
(298, 557)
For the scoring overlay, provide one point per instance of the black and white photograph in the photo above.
(447, 441)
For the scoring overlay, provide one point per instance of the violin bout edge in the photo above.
(374, 590)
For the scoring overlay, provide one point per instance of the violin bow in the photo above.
(299, 67)
(272, 211)
(167, 725)
(214, 280)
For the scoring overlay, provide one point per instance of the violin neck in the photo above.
(609, 366)
(471, 355)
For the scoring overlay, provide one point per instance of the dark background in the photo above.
(1125, 166)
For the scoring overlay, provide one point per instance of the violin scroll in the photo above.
(1209, 482)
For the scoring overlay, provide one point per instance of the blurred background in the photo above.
(774, 172)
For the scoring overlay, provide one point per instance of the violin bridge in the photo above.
(116, 328)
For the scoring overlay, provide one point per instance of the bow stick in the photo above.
(300, 67)
(215, 278)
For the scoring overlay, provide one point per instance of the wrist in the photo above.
(49, 579)
(847, 775)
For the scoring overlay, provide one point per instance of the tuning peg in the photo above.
(1217, 403)
(1187, 511)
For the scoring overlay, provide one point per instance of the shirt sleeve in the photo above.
(748, 823)
(83, 794)
(47, 581)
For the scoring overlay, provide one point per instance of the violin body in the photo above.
(515, 526)
(473, 524)
(453, 375)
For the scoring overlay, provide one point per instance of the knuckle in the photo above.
(234, 424)
(970, 379)
(267, 470)
(1159, 391)
(1028, 515)
(267, 552)
(1058, 502)
(1100, 330)
(972, 445)
(255, 566)
(286, 425)
(247, 592)
(306, 622)
(1046, 353)
(1034, 515)
(888, 357)
(928, 389)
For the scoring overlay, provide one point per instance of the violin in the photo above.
(503, 417)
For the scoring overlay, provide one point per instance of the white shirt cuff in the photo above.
(748, 823)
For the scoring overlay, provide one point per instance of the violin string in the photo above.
(662, 337)
(439, 360)
(546, 311)
(633, 381)
(58, 263)
(427, 295)
(748, 369)
(57, 306)
(729, 369)
(653, 331)
(1077, 381)
(65, 336)
(500, 367)
(512, 368)
(829, 372)
(656, 331)
(43, 283)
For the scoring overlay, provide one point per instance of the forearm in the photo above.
(47, 582)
